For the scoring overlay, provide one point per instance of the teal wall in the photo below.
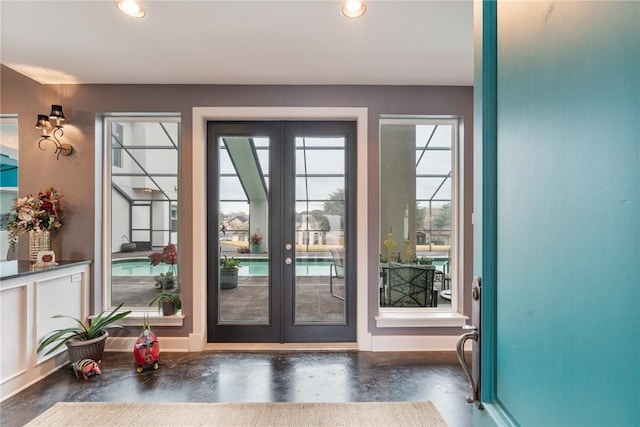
(568, 210)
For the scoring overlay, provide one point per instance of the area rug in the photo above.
(369, 414)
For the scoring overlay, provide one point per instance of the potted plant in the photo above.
(256, 242)
(83, 342)
(229, 272)
(169, 256)
(165, 280)
(168, 302)
(424, 261)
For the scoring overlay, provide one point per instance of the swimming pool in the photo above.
(137, 267)
(304, 267)
(248, 267)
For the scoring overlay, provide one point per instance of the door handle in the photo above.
(473, 375)
(462, 339)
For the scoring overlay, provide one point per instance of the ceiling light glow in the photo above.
(354, 8)
(131, 8)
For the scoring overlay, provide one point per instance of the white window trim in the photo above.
(138, 314)
(389, 317)
(198, 338)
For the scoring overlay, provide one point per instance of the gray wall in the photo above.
(75, 176)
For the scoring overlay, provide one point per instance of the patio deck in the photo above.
(249, 300)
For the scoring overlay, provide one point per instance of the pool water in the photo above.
(142, 267)
(248, 267)
(303, 268)
(137, 267)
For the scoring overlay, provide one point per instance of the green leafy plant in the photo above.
(167, 296)
(99, 325)
(165, 280)
(229, 263)
(425, 261)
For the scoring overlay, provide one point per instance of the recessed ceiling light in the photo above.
(354, 8)
(131, 8)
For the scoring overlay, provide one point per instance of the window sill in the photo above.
(407, 318)
(137, 318)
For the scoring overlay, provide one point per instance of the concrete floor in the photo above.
(258, 377)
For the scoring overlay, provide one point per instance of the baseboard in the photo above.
(193, 343)
(416, 343)
(196, 342)
(281, 347)
(122, 344)
(493, 415)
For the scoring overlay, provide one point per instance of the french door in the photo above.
(281, 203)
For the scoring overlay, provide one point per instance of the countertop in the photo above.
(12, 269)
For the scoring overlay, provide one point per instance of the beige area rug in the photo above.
(369, 414)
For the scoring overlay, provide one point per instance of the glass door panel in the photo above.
(319, 273)
(243, 222)
(320, 189)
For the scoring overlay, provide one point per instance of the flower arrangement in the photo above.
(43, 212)
(256, 238)
(390, 244)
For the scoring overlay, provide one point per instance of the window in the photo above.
(142, 197)
(419, 207)
(8, 175)
(174, 217)
(116, 139)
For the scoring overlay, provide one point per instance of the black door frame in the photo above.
(280, 327)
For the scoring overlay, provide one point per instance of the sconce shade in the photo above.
(51, 133)
(43, 122)
(56, 113)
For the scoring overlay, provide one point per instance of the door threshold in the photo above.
(314, 346)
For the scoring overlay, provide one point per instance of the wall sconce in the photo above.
(44, 123)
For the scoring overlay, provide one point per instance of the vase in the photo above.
(38, 241)
(87, 349)
(228, 278)
(168, 308)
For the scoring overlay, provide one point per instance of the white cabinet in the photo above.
(28, 300)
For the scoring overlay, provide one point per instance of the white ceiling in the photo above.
(240, 42)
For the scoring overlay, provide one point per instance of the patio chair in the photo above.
(336, 269)
(411, 286)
